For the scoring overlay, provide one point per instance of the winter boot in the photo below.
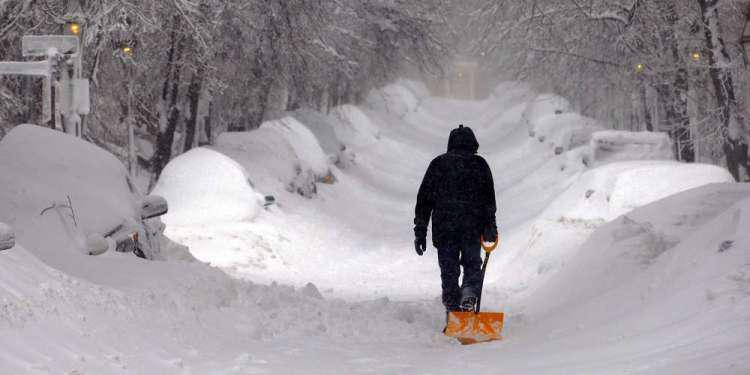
(468, 299)
(469, 303)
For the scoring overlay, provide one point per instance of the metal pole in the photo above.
(132, 158)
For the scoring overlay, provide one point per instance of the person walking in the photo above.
(458, 193)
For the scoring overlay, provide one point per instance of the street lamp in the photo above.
(696, 56)
(640, 68)
(126, 48)
(74, 28)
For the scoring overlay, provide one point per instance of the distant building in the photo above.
(461, 81)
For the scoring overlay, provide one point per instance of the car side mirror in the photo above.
(153, 206)
(269, 200)
(96, 244)
(7, 237)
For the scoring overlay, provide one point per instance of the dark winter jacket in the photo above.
(458, 192)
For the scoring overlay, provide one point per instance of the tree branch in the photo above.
(575, 55)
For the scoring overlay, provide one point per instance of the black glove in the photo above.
(420, 245)
(490, 233)
(420, 232)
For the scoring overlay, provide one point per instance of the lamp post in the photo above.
(127, 50)
(640, 73)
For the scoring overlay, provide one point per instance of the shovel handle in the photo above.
(490, 248)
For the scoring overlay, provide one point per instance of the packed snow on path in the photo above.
(614, 260)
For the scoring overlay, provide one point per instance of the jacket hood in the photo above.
(463, 139)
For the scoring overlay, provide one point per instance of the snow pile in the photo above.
(205, 186)
(617, 145)
(542, 106)
(599, 195)
(399, 98)
(566, 131)
(676, 263)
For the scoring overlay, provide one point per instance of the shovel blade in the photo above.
(472, 328)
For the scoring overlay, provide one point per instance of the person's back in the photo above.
(458, 193)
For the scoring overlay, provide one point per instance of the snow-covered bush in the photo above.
(205, 186)
(542, 106)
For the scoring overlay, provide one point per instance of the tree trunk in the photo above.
(646, 110)
(721, 77)
(194, 96)
(170, 93)
(676, 94)
(207, 124)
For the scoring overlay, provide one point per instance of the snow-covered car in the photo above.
(77, 195)
(7, 237)
(542, 106)
(141, 237)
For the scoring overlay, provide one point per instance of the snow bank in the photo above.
(566, 131)
(204, 186)
(399, 98)
(542, 106)
(540, 248)
(685, 250)
(617, 145)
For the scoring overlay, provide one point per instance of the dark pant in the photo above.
(466, 253)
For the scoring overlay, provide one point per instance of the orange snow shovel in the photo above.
(472, 327)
